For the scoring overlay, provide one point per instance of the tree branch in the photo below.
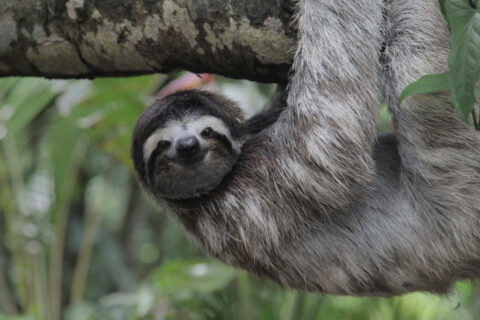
(86, 38)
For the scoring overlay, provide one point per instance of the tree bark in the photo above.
(91, 38)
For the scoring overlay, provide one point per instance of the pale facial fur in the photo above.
(175, 130)
(175, 180)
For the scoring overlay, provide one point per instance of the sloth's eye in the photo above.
(163, 144)
(207, 132)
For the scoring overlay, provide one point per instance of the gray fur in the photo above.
(317, 201)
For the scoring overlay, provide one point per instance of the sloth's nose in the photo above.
(188, 147)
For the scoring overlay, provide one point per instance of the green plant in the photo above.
(463, 17)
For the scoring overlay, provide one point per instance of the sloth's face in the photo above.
(188, 157)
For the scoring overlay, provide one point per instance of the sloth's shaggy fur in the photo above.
(317, 201)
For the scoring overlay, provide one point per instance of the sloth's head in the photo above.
(186, 143)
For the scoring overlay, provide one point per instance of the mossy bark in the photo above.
(91, 38)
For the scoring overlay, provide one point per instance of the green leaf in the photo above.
(442, 6)
(7, 84)
(181, 279)
(27, 97)
(26, 113)
(427, 84)
(464, 58)
(64, 140)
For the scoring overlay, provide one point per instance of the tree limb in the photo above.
(90, 38)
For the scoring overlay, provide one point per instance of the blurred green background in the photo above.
(79, 240)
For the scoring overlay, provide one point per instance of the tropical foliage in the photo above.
(79, 240)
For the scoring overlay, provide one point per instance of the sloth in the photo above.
(310, 196)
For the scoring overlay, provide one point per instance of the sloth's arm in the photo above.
(322, 142)
(333, 94)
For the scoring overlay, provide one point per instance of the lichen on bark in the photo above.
(77, 38)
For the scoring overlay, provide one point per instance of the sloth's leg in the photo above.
(440, 155)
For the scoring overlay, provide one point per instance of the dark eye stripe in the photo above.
(153, 156)
(223, 140)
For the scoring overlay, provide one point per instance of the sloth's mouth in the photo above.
(191, 160)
